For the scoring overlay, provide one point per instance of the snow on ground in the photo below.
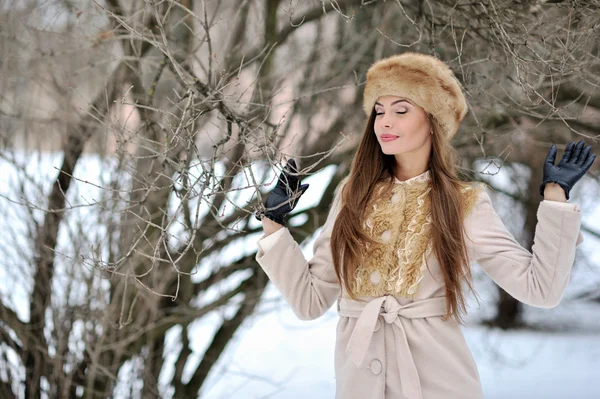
(275, 355)
(279, 356)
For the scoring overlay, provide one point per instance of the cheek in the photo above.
(376, 124)
(419, 139)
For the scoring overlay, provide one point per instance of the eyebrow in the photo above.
(395, 102)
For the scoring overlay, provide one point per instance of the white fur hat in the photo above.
(424, 80)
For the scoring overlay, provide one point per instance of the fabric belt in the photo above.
(388, 306)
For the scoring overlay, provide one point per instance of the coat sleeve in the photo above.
(536, 278)
(309, 287)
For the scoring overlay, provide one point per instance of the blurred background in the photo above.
(137, 137)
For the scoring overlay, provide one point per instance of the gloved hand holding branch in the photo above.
(284, 197)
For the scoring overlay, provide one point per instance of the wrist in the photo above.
(554, 192)
(270, 226)
(274, 219)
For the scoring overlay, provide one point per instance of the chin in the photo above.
(393, 151)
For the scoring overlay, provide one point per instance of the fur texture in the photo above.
(423, 79)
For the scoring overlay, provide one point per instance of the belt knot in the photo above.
(391, 309)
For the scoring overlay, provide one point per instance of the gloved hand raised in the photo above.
(284, 197)
(574, 163)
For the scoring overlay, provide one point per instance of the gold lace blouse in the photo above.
(400, 222)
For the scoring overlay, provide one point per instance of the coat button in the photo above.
(386, 235)
(376, 366)
(395, 198)
(375, 277)
(377, 325)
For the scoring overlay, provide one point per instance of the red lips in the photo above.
(388, 137)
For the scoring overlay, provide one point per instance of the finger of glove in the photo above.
(584, 155)
(577, 152)
(588, 164)
(286, 179)
(289, 183)
(568, 151)
(291, 168)
(292, 200)
(295, 196)
(551, 157)
(291, 165)
(303, 188)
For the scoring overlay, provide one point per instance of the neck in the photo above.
(413, 163)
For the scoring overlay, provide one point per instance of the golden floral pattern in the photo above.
(400, 223)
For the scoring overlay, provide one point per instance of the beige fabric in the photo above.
(393, 313)
(410, 352)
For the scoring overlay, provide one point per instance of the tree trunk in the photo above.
(509, 309)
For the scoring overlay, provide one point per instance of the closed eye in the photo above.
(381, 113)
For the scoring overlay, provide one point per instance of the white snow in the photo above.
(275, 355)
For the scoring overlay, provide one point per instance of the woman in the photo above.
(401, 234)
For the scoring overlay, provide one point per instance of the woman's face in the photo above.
(407, 122)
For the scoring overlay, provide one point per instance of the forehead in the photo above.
(391, 100)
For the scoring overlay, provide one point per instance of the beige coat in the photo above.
(396, 347)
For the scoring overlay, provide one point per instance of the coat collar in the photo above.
(423, 177)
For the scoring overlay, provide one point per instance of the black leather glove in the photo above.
(575, 162)
(284, 197)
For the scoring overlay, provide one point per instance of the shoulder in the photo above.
(475, 196)
(337, 202)
(338, 192)
(341, 184)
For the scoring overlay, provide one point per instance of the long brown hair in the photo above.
(371, 166)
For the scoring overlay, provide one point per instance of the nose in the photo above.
(385, 121)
